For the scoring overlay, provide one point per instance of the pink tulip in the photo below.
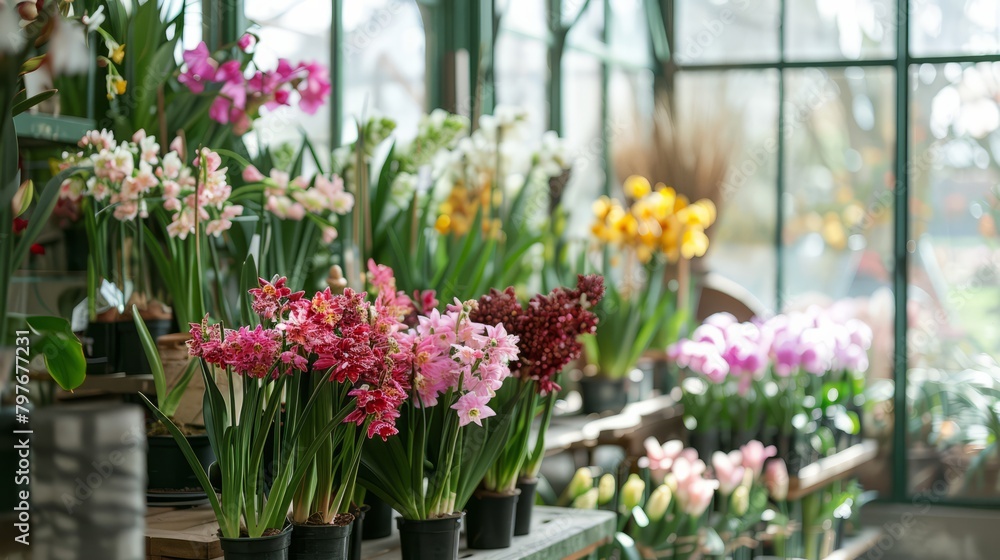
(776, 479)
(754, 455)
(728, 471)
(696, 495)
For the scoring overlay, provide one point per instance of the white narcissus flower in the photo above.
(67, 48)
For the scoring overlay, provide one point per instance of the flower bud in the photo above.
(776, 479)
(582, 481)
(587, 500)
(632, 492)
(605, 489)
(28, 10)
(739, 502)
(658, 503)
(22, 198)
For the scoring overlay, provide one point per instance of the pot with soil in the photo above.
(603, 394)
(490, 519)
(129, 355)
(322, 541)
(273, 545)
(430, 539)
(169, 477)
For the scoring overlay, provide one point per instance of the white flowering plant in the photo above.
(452, 210)
(300, 213)
(154, 206)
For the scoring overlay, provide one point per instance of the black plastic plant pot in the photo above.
(274, 547)
(429, 539)
(320, 542)
(100, 349)
(357, 529)
(378, 519)
(601, 394)
(166, 467)
(489, 519)
(130, 357)
(525, 506)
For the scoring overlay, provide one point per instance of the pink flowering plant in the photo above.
(323, 375)
(239, 89)
(453, 427)
(137, 191)
(798, 373)
(548, 327)
(699, 509)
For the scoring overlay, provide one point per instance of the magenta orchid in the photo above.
(239, 97)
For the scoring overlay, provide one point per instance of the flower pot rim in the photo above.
(452, 515)
(492, 494)
(528, 480)
(334, 524)
(286, 531)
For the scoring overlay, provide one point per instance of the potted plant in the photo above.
(548, 328)
(657, 227)
(358, 371)
(284, 336)
(449, 433)
(782, 380)
(168, 473)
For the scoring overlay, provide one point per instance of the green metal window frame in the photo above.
(471, 25)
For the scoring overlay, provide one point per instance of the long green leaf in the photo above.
(193, 462)
(153, 357)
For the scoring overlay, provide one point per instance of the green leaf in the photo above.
(61, 350)
(192, 460)
(153, 356)
(39, 217)
(248, 280)
(32, 101)
(175, 395)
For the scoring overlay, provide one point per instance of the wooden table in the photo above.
(190, 534)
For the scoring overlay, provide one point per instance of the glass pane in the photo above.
(824, 30)
(630, 32)
(954, 295)
(526, 16)
(744, 234)
(588, 31)
(727, 30)
(521, 74)
(384, 64)
(839, 187)
(297, 32)
(581, 118)
(943, 27)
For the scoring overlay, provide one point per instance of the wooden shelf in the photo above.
(831, 469)
(190, 534)
(627, 428)
(856, 546)
(104, 384)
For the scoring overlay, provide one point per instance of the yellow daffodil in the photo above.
(116, 52)
(601, 207)
(636, 187)
(443, 224)
(694, 243)
(116, 85)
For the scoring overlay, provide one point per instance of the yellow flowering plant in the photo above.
(652, 229)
